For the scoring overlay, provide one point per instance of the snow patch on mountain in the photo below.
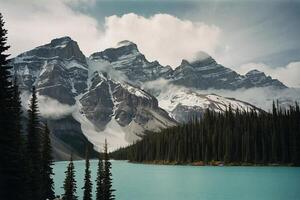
(183, 103)
(113, 132)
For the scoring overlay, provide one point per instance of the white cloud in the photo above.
(31, 23)
(289, 74)
(162, 37)
(51, 108)
(48, 107)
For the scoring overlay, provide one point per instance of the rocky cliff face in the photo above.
(58, 70)
(259, 79)
(125, 57)
(110, 105)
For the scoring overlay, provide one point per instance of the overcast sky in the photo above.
(241, 34)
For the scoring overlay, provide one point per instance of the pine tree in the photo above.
(70, 182)
(87, 194)
(47, 163)
(34, 147)
(23, 162)
(107, 180)
(99, 180)
(11, 168)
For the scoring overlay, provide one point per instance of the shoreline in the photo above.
(214, 164)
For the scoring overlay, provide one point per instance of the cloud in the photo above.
(162, 37)
(106, 67)
(31, 23)
(259, 97)
(288, 74)
(48, 107)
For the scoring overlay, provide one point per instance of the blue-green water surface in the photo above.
(165, 182)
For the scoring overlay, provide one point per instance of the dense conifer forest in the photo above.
(233, 137)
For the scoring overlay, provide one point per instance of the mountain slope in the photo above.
(183, 103)
(119, 112)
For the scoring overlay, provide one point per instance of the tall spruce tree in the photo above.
(34, 147)
(99, 180)
(47, 163)
(107, 180)
(70, 182)
(23, 162)
(11, 173)
(87, 193)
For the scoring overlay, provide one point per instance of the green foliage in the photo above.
(34, 148)
(70, 183)
(87, 193)
(12, 174)
(230, 137)
(99, 180)
(107, 180)
(47, 163)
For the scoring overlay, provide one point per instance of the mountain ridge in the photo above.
(201, 73)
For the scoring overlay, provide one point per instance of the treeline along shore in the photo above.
(234, 137)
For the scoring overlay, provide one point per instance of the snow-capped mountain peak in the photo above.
(255, 72)
(182, 103)
(131, 62)
(125, 43)
(60, 42)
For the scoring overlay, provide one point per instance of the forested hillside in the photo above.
(232, 137)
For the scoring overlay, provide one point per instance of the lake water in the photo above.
(158, 182)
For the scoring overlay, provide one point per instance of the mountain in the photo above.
(202, 73)
(259, 79)
(58, 70)
(125, 57)
(103, 98)
(119, 112)
(183, 103)
(102, 107)
(207, 73)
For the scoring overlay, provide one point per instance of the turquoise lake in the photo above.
(162, 182)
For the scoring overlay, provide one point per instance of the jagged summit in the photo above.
(259, 78)
(199, 57)
(255, 72)
(127, 58)
(59, 42)
(59, 48)
(124, 48)
(125, 43)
